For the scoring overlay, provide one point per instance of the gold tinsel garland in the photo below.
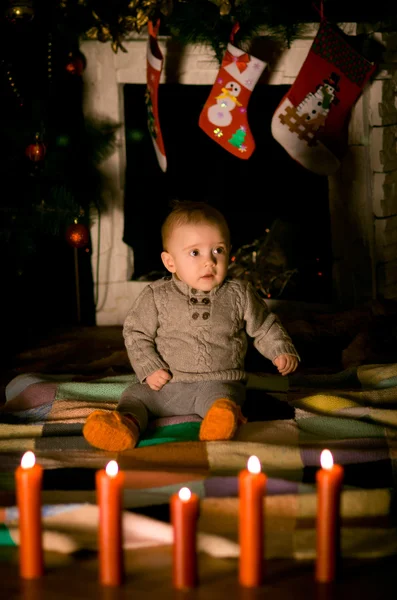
(139, 13)
(192, 21)
(136, 15)
(196, 22)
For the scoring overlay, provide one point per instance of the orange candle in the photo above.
(28, 481)
(184, 508)
(109, 488)
(252, 487)
(329, 482)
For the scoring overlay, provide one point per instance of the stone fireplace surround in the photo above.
(362, 194)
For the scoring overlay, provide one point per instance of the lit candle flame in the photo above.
(28, 460)
(185, 494)
(112, 468)
(253, 464)
(326, 459)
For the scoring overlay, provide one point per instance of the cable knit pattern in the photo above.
(239, 348)
(200, 336)
(204, 359)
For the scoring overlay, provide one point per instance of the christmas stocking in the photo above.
(311, 122)
(154, 65)
(224, 116)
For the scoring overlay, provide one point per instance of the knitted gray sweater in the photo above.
(200, 335)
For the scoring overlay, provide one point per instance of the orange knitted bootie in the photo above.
(221, 421)
(111, 431)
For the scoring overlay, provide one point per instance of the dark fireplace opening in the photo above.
(278, 212)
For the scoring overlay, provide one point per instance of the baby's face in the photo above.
(198, 255)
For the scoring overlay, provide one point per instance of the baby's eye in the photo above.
(219, 250)
(194, 253)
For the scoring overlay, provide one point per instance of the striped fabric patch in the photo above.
(5, 537)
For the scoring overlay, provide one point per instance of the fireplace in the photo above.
(268, 199)
(354, 211)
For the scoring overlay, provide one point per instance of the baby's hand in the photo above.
(158, 379)
(286, 363)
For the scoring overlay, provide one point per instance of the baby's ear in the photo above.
(168, 262)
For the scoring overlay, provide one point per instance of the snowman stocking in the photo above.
(224, 116)
(154, 65)
(311, 122)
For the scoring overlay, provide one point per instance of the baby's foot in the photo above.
(221, 421)
(111, 431)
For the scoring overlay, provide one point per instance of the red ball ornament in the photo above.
(75, 64)
(36, 151)
(77, 235)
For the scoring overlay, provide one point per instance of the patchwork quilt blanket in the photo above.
(352, 413)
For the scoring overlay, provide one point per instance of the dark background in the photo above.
(251, 193)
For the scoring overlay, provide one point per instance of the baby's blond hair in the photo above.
(186, 212)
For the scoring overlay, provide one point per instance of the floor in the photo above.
(148, 571)
(148, 575)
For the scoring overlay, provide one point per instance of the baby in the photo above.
(186, 337)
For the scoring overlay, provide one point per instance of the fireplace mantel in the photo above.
(362, 194)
